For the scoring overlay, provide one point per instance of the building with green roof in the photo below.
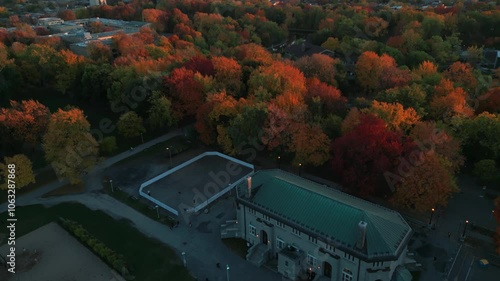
(313, 229)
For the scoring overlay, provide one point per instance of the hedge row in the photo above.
(113, 259)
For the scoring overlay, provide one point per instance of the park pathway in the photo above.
(203, 250)
(93, 178)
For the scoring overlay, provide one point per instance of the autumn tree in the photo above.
(452, 104)
(376, 72)
(228, 75)
(394, 115)
(276, 79)
(462, 74)
(130, 125)
(68, 144)
(276, 133)
(430, 138)
(489, 101)
(319, 66)
(24, 172)
(412, 96)
(39, 64)
(185, 91)
(99, 52)
(309, 145)
(158, 18)
(67, 15)
(425, 186)
(323, 98)
(351, 121)
(361, 156)
(25, 121)
(427, 73)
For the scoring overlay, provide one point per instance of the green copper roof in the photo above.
(327, 212)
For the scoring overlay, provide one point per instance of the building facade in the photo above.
(305, 228)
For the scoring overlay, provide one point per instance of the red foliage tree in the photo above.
(200, 64)
(489, 101)
(362, 156)
(186, 92)
(67, 15)
(330, 97)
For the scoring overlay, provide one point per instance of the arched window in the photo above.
(346, 275)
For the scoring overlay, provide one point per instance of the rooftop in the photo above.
(321, 210)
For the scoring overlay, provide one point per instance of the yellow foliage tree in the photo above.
(22, 172)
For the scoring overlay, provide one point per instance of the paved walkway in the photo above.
(93, 179)
(201, 243)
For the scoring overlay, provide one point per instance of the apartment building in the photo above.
(308, 230)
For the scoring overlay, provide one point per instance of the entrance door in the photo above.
(327, 269)
(264, 237)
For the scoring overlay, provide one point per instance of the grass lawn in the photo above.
(65, 190)
(138, 204)
(176, 144)
(237, 245)
(41, 179)
(149, 259)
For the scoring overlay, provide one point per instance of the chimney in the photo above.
(249, 187)
(360, 244)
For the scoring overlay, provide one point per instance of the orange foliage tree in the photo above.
(462, 74)
(276, 79)
(25, 121)
(157, 17)
(376, 72)
(425, 186)
(452, 104)
(310, 145)
(394, 115)
(228, 75)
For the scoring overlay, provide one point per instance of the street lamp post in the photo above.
(278, 162)
(432, 214)
(300, 169)
(142, 138)
(227, 271)
(157, 211)
(111, 183)
(170, 156)
(465, 228)
(184, 258)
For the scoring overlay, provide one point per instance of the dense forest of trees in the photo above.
(413, 115)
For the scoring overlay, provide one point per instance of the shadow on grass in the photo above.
(237, 245)
(140, 205)
(41, 179)
(149, 259)
(66, 190)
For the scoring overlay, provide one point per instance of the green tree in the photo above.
(130, 125)
(23, 171)
(108, 145)
(160, 114)
(68, 144)
(486, 170)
